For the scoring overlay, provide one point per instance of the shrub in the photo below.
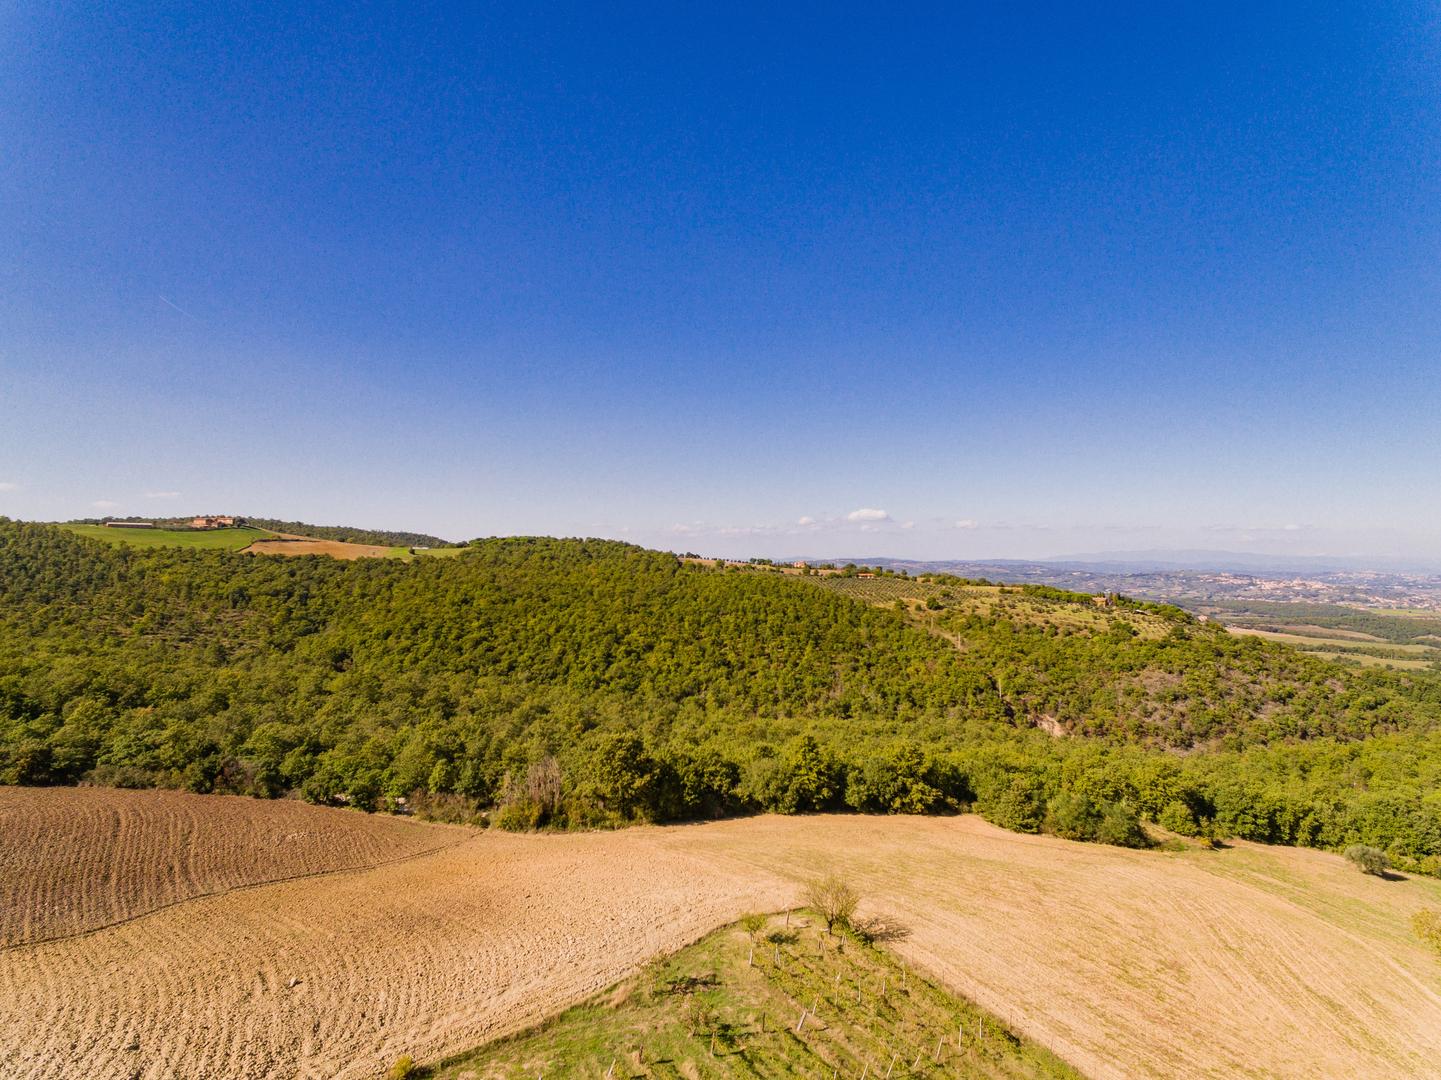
(1121, 826)
(1177, 817)
(622, 776)
(700, 1018)
(1014, 804)
(895, 782)
(753, 922)
(805, 777)
(833, 899)
(519, 816)
(1368, 859)
(1072, 816)
(1427, 924)
(447, 808)
(532, 801)
(403, 1069)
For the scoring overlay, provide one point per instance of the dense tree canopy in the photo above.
(574, 682)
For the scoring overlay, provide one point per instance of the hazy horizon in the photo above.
(953, 284)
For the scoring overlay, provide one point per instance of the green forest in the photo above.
(577, 683)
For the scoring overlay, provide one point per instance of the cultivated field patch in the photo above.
(336, 549)
(75, 859)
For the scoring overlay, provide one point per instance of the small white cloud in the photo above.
(162, 494)
(908, 524)
(805, 522)
(1291, 528)
(966, 523)
(866, 513)
(105, 504)
(6, 485)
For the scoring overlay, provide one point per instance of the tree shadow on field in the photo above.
(879, 929)
(1391, 875)
(688, 984)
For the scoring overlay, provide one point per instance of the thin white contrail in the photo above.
(178, 308)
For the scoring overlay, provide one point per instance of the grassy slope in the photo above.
(218, 539)
(709, 1012)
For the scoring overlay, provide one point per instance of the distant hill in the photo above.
(348, 534)
(342, 533)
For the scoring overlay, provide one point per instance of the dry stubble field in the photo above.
(336, 549)
(1251, 961)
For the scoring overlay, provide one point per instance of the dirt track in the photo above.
(1250, 961)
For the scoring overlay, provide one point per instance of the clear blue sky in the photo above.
(952, 281)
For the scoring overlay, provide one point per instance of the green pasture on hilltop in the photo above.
(230, 539)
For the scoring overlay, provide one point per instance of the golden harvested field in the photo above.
(1251, 961)
(336, 549)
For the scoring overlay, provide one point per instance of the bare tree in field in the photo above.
(544, 784)
(833, 899)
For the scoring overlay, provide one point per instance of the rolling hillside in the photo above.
(571, 683)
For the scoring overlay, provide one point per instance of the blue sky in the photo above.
(953, 281)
